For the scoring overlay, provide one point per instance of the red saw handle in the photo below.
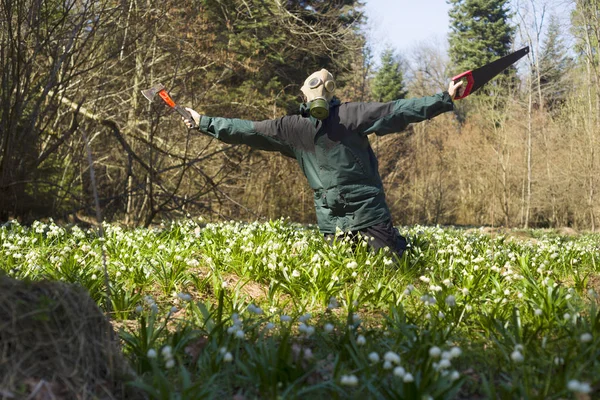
(182, 111)
(470, 81)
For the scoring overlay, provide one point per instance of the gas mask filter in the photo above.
(318, 89)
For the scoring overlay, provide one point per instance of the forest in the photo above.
(78, 139)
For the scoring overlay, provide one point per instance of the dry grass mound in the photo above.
(55, 343)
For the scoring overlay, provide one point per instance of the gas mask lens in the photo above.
(316, 82)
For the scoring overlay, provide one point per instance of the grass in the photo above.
(269, 310)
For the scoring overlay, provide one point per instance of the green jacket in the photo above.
(335, 154)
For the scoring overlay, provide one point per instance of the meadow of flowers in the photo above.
(270, 310)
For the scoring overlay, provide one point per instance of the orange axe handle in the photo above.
(182, 111)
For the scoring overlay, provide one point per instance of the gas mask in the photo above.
(318, 89)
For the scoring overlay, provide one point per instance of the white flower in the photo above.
(349, 380)
(391, 357)
(445, 363)
(586, 337)
(255, 309)
(450, 301)
(151, 353)
(519, 347)
(567, 316)
(305, 317)
(170, 363)
(167, 352)
(584, 387)
(428, 300)
(408, 378)
(308, 354)
(559, 360)
(455, 352)
(328, 328)
(228, 357)
(387, 365)
(516, 356)
(240, 334)
(435, 352)
(374, 357)
(285, 318)
(454, 376)
(269, 326)
(579, 387)
(332, 303)
(295, 273)
(465, 291)
(184, 296)
(538, 312)
(352, 265)
(360, 340)
(399, 372)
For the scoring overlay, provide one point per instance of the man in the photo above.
(329, 141)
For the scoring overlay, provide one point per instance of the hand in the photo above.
(195, 117)
(455, 89)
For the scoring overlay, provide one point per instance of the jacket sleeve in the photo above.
(395, 116)
(265, 135)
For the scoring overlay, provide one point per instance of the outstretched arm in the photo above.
(271, 135)
(385, 118)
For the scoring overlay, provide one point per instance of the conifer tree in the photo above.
(554, 65)
(388, 83)
(480, 32)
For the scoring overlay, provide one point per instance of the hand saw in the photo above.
(480, 76)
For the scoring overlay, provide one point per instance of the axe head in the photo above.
(151, 93)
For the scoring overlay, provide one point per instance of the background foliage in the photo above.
(71, 73)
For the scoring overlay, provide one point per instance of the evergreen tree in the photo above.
(480, 32)
(388, 83)
(555, 64)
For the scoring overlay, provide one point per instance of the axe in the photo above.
(160, 90)
(480, 76)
